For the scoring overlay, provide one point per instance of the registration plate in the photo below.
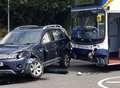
(1, 64)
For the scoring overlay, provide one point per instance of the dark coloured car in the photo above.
(28, 49)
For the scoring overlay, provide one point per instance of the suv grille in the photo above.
(4, 67)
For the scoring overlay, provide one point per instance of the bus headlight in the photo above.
(75, 45)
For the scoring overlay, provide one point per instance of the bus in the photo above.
(96, 31)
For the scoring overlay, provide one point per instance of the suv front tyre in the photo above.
(35, 69)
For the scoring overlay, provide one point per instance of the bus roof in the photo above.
(114, 6)
(85, 8)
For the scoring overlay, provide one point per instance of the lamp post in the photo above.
(8, 15)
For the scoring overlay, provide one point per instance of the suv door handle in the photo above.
(46, 51)
(55, 45)
(63, 41)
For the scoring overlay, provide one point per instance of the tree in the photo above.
(3, 13)
(34, 12)
(40, 12)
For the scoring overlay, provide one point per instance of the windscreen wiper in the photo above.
(28, 43)
(9, 43)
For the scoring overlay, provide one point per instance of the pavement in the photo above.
(80, 75)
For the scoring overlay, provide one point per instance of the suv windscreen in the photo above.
(22, 37)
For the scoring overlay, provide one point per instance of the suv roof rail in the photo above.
(27, 26)
(52, 26)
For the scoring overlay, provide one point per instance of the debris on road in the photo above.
(79, 74)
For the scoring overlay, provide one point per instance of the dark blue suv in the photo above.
(28, 49)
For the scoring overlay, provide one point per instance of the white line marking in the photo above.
(100, 83)
(113, 82)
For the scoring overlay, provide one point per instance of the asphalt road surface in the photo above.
(56, 77)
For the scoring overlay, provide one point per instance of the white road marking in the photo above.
(100, 83)
(113, 82)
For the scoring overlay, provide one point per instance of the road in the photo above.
(56, 77)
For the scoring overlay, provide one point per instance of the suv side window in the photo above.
(46, 38)
(58, 35)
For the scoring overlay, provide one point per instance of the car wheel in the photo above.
(65, 62)
(35, 69)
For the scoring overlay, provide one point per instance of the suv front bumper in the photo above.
(13, 66)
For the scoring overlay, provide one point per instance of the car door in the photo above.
(60, 39)
(49, 46)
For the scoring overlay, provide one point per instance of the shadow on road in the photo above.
(84, 67)
(55, 69)
(6, 79)
(13, 79)
(79, 66)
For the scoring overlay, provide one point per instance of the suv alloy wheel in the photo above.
(35, 69)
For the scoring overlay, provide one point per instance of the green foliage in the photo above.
(2, 32)
(40, 12)
(35, 12)
(3, 13)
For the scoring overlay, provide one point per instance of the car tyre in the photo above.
(65, 62)
(35, 69)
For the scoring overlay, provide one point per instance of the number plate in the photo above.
(1, 64)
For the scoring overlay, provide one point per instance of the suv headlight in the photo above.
(14, 55)
(22, 54)
(18, 55)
